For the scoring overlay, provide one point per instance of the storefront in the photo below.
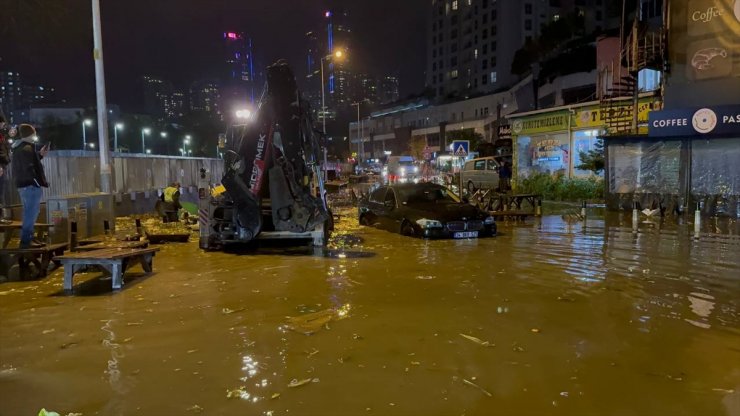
(690, 156)
(552, 141)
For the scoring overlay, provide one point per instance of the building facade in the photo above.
(205, 96)
(472, 43)
(689, 158)
(238, 84)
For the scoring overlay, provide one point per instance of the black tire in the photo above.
(407, 229)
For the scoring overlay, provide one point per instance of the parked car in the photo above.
(481, 173)
(424, 210)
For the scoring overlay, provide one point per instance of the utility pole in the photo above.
(105, 168)
(359, 133)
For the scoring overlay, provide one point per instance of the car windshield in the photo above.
(426, 194)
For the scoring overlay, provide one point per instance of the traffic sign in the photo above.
(461, 147)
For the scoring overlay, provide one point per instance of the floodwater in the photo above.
(550, 317)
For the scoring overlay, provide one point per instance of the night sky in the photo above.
(179, 39)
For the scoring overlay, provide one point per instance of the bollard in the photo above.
(72, 236)
(106, 227)
(697, 218)
(635, 213)
(138, 227)
(583, 209)
(538, 208)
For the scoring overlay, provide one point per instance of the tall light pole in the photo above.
(144, 132)
(118, 126)
(185, 144)
(338, 55)
(85, 122)
(105, 169)
(167, 144)
(359, 133)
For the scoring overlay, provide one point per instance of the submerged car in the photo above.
(424, 210)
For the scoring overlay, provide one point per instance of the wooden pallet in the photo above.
(114, 260)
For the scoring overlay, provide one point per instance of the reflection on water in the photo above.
(553, 316)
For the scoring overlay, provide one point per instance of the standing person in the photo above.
(4, 162)
(505, 177)
(29, 177)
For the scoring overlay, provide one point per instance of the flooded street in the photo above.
(549, 317)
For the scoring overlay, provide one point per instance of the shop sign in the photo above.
(693, 122)
(595, 118)
(539, 124)
(504, 131)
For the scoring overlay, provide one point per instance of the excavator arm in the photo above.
(273, 167)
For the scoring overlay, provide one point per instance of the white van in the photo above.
(481, 173)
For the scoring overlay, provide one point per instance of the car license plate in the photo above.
(466, 234)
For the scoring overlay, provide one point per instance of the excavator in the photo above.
(272, 186)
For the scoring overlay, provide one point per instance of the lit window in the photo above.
(475, 53)
(454, 5)
(453, 74)
(493, 77)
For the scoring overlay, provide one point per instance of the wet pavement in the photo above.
(550, 317)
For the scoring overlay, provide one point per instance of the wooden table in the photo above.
(9, 229)
(112, 244)
(114, 260)
(40, 257)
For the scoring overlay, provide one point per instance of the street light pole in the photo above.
(85, 122)
(105, 168)
(117, 127)
(144, 131)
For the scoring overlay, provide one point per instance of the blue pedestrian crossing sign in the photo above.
(461, 147)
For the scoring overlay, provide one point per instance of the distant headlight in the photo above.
(425, 223)
(489, 220)
(416, 169)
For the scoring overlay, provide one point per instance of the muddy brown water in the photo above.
(550, 317)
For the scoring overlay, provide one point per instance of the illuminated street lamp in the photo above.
(118, 126)
(85, 122)
(243, 114)
(145, 131)
(163, 134)
(92, 145)
(185, 144)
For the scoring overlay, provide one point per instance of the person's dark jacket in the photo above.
(4, 151)
(26, 165)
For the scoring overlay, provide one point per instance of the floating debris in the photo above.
(274, 396)
(195, 408)
(299, 383)
(535, 330)
(470, 383)
(313, 322)
(477, 340)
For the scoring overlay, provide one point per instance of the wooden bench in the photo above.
(40, 257)
(112, 244)
(114, 260)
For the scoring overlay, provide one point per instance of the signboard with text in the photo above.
(721, 120)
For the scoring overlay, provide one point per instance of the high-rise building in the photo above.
(388, 90)
(205, 96)
(178, 105)
(472, 43)
(157, 96)
(38, 94)
(238, 83)
(366, 89)
(338, 76)
(11, 95)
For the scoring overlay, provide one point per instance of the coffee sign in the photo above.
(709, 16)
(696, 122)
